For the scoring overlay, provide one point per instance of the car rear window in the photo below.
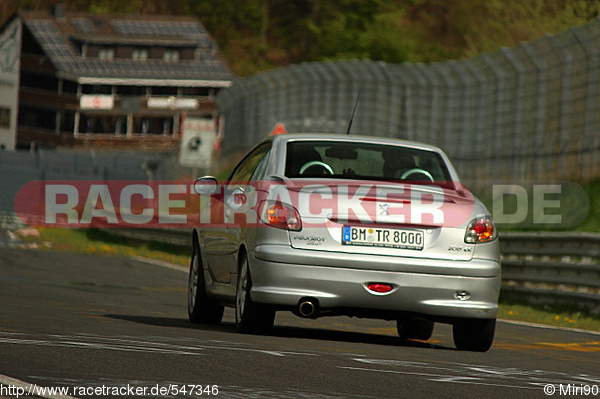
(363, 161)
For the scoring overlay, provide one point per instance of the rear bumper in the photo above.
(283, 275)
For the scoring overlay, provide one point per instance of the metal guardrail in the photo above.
(540, 268)
(555, 268)
(179, 238)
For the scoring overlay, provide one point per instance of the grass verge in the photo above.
(96, 242)
(99, 243)
(551, 315)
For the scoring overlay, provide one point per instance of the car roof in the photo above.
(352, 138)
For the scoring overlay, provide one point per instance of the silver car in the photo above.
(330, 224)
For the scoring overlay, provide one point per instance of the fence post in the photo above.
(565, 87)
(498, 139)
(517, 151)
(540, 64)
(480, 145)
(592, 138)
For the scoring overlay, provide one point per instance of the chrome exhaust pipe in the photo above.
(307, 308)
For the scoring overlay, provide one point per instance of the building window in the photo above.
(106, 54)
(96, 89)
(70, 87)
(37, 117)
(147, 125)
(164, 91)
(171, 55)
(38, 81)
(132, 91)
(139, 54)
(4, 118)
(79, 47)
(67, 121)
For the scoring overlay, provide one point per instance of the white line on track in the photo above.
(128, 344)
(156, 262)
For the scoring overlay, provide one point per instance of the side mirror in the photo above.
(206, 185)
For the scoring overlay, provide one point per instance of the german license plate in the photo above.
(382, 237)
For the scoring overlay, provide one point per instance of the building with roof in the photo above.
(74, 79)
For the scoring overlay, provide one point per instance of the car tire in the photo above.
(250, 317)
(200, 308)
(413, 328)
(474, 335)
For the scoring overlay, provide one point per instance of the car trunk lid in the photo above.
(383, 219)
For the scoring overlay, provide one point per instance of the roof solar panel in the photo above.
(188, 30)
(49, 38)
(83, 25)
(59, 50)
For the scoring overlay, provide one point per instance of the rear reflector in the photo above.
(380, 288)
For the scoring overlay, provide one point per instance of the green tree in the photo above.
(256, 35)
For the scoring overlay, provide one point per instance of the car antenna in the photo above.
(353, 111)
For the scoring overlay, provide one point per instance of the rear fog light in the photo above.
(380, 288)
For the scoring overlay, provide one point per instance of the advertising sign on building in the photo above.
(96, 101)
(197, 140)
(172, 103)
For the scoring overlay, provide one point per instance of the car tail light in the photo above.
(281, 215)
(480, 230)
